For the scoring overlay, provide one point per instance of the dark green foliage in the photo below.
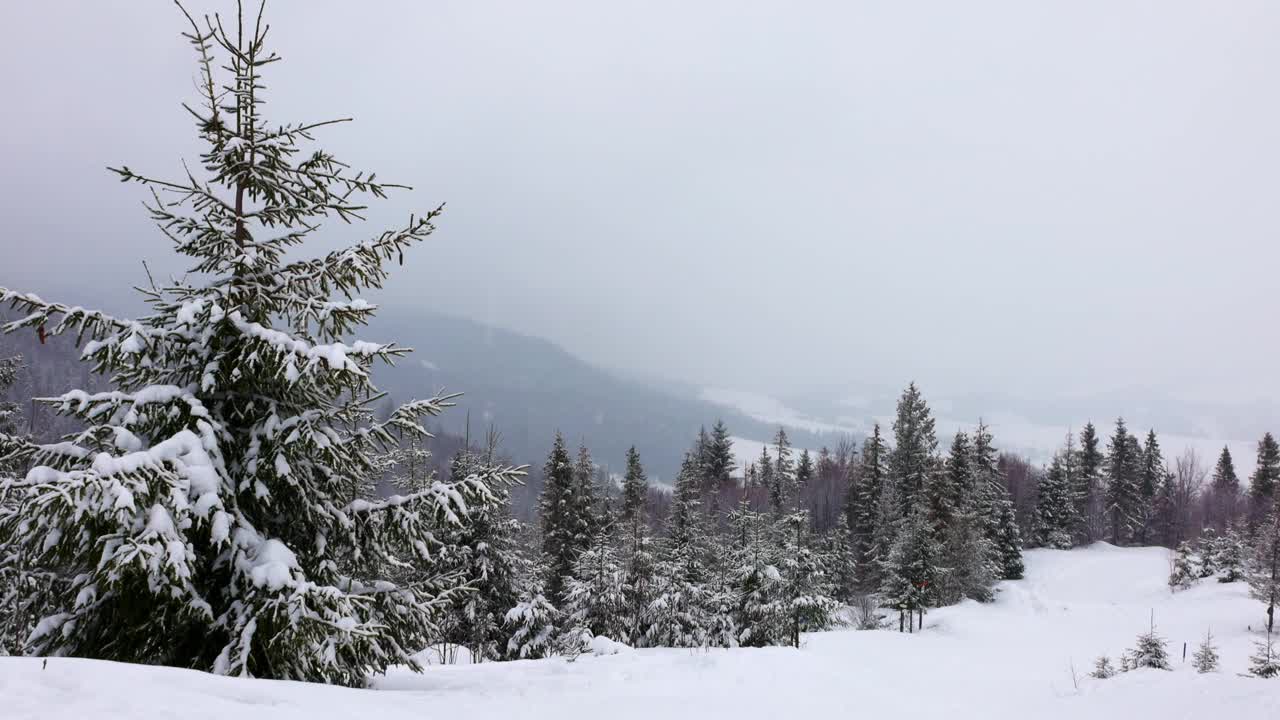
(912, 460)
(1124, 477)
(862, 510)
(635, 488)
(1088, 490)
(1262, 484)
(565, 523)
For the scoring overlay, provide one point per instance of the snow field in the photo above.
(1005, 660)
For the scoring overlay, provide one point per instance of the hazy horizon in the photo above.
(990, 199)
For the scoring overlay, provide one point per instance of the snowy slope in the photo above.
(1010, 659)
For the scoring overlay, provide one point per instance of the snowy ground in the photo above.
(1010, 659)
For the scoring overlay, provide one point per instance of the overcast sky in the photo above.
(1034, 197)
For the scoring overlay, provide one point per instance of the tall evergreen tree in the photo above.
(804, 469)
(862, 507)
(1124, 469)
(635, 488)
(911, 570)
(1055, 519)
(995, 507)
(950, 489)
(1152, 475)
(563, 536)
(884, 533)
(1088, 490)
(1008, 539)
(485, 553)
(912, 460)
(1264, 568)
(782, 486)
(1262, 484)
(208, 516)
(839, 561)
(719, 464)
(1224, 491)
(22, 592)
(680, 614)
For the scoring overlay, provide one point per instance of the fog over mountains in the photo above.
(528, 388)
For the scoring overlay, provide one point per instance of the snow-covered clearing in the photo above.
(1010, 659)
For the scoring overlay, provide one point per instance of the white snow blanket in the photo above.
(1011, 659)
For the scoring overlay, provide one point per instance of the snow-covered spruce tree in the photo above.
(863, 508)
(950, 487)
(595, 597)
(1054, 521)
(913, 458)
(911, 569)
(1207, 553)
(1103, 669)
(679, 614)
(971, 568)
(838, 561)
(1088, 490)
(24, 591)
(208, 512)
(1205, 659)
(805, 587)
(1149, 652)
(563, 513)
(487, 555)
(1123, 495)
(760, 614)
(888, 519)
(718, 464)
(1182, 571)
(1263, 482)
(804, 469)
(782, 481)
(532, 624)
(1224, 492)
(1008, 540)
(1265, 661)
(1232, 555)
(994, 506)
(635, 488)
(1264, 567)
(637, 552)
(1151, 477)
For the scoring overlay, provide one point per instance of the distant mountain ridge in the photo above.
(529, 387)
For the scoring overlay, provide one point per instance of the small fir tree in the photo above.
(532, 624)
(1205, 659)
(1103, 669)
(1150, 652)
(1207, 553)
(1183, 572)
(1232, 555)
(1265, 661)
